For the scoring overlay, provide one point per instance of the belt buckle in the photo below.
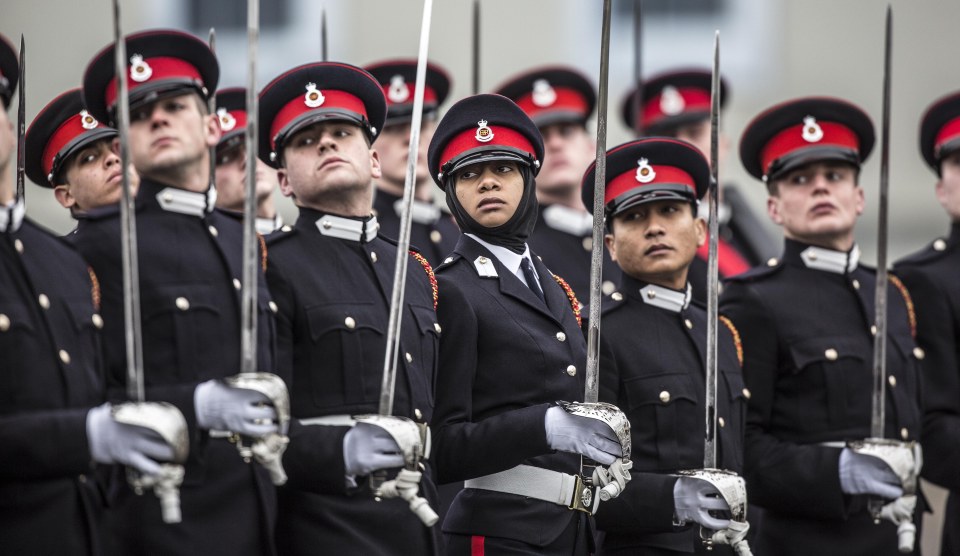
(583, 496)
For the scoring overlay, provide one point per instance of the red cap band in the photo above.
(67, 132)
(566, 99)
(429, 95)
(662, 174)
(501, 137)
(947, 133)
(232, 120)
(693, 100)
(792, 139)
(332, 100)
(158, 69)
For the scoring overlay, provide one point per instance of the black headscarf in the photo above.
(513, 233)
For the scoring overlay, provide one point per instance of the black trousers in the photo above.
(575, 540)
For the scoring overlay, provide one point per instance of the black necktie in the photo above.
(531, 278)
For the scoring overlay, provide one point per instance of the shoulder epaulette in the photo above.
(768, 268)
(94, 289)
(736, 337)
(574, 304)
(430, 276)
(935, 251)
(908, 301)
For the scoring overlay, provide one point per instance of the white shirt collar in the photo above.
(507, 258)
(572, 221)
(268, 225)
(187, 202)
(11, 215)
(421, 212)
(829, 260)
(665, 298)
(348, 228)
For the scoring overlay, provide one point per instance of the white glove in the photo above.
(246, 412)
(368, 448)
(581, 435)
(865, 474)
(113, 442)
(693, 499)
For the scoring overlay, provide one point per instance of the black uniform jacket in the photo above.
(808, 354)
(568, 254)
(933, 276)
(505, 358)
(334, 303)
(652, 363)
(190, 270)
(51, 376)
(433, 240)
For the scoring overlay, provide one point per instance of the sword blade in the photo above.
(323, 34)
(390, 359)
(878, 413)
(248, 307)
(22, 123)
(638, 66)
(133, 337)
(591, 391)
(212, 108)
(476, 47)
(713, 275)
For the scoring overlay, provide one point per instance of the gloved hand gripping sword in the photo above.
(730, 486)
(412, 438)
(160, 417)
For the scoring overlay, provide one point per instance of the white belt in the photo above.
(834, 444)
(541, 484)
(219, 434)
(330, 421)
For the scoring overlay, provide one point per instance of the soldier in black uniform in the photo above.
(677, 104)
(331, 274)
(190, 269)
(511, 348)
(560, 100)
(931, 275)
(653, 350)
(432, 230)
(231, 172)
(51, 501)
(806, 326)
(73, 153)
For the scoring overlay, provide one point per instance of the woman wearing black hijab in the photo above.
(510, 348)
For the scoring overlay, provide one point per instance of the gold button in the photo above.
(688, 324)
(831, 354)
(721, 422)
(65, 357)
(350, 322)
(82, 479)
(4, 323)
(904, 433)
(873, 330)
(919, 353)
(651, 294)
(856, 284)
(435, 236)
(939, 245)
(772, 261)
(18, 245)
(561, 337)
(327, 225)
(97, 320)
(286, 229)
(182, 303)
(408, 357)
(607, 287)
(373, 256)
(483, 260)
(616, 296)
(417, 413)
(892, 380)
(213, 231)
(664, 396)
(812, 256)
(44, 301)
(436, 326)
(746, 393)
(587, 243)
(236, 284)
(572, 370)
(167, 198)
(273, 307)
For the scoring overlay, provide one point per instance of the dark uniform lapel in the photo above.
(557, 301)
